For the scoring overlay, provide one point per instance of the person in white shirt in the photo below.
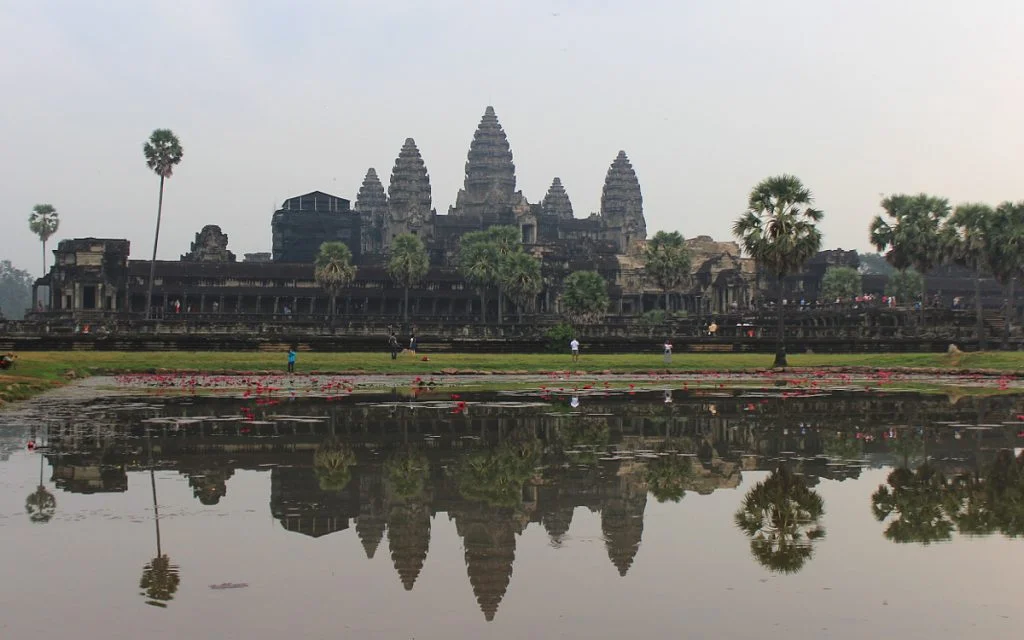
(668, 352)
(574, 346)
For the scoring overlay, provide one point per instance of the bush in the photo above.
(654, 318)
(558, 337)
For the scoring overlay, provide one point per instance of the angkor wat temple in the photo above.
(95, 277)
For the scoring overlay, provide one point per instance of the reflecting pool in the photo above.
(525, 513)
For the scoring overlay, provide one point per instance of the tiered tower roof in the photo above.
(621, 198)
(556, 202)
(409, 540)
(371, 195)
(489, 167)
(410, 184)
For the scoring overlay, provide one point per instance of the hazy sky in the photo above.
(275, 99)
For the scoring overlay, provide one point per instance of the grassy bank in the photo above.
(54, 366)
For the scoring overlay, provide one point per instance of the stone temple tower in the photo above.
(372, 207)
(622, 206)
(556, 202)
(490, 188)
(409, 196)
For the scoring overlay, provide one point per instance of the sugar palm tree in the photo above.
(40, 505)
(966, 242)
(407, 265)
(163, 152)
(1006, 255)
(781, 516)
(407, 471)
(332, 464)
(160, 576)
(478, 263)
(43, 221)
(333, 269)
(586, 297)
(921, 505)
(779, 230)
(521, 279)
(507, 241)
(667, 262)
(910, 234)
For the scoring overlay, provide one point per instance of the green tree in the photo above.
(15, 291)
(918, 505)
(520, 279)
(875, 264)
(840, 283)
(163, 152)
(160, 580)
(40, 505)
(779, 231)
(407, 265)
(507, 240)
(1006, 257)
(407, 471)
(585, 299)
(910, 234)
(667, 262)
(44, 221)
(966, 243)
(905, 285)
(781, 515)
(333, 269)
(479, 263)
(668, 476)
(496, 476)
(332, 464)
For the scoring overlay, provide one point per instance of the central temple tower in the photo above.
(489, 192)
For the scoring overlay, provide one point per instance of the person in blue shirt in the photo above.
(291, 360)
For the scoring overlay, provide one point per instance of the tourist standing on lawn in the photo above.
(668, 351)
(574, 347)
(412, 343)
(393, 344)
(291, 360)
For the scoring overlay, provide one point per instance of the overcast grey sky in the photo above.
(274, 99)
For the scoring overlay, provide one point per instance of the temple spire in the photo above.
(409, 190)
(622, 205)
(556, 202)
(490, 173)
(372, 207)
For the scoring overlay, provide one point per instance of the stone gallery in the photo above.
(98, 275)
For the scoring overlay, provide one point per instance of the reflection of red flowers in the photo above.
(31, 445)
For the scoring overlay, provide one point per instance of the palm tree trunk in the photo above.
(979, 317)
(501, 303)
(780, 348)
(483, 306)
(405, 309)
(156, 240)
(44, 258)
(152, 481)
(667, 310)
(1009, 313)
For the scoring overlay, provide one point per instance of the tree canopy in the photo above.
(333, 268)
(906, 285)
(163, 152)
(15, 291)
(667, 262)
(840, 283)
(586, 297)
(520, 278)
(910, 232)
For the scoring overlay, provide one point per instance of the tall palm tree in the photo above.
(781, 516)
(779, 230)
(966, 242)
(333, 269)
(921, 502)
(912, 234)
(40, 505)
(160, 576)
(667, 262)
(163, 152)
(586, 297)
(1006, 255)
(520, 278)
(508, 241)
(478, 263)
(407, 265)
(43, 221)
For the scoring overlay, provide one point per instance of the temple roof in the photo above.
(556, 202)
(621, 198)
(410, 183)
(489, 166)
(316, 201)
(371, 194)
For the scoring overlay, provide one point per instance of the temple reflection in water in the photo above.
(386, 465)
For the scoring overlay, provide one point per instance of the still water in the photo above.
(519, 514)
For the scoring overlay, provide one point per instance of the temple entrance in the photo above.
(89, 297)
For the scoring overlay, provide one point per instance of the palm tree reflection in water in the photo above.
(40, 505)
(781, 516)
(160, 578)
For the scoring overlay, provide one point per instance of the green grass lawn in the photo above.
(37, 371)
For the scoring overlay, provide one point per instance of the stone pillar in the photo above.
(276, 301)
(259, 300)
(202, 302)
(220, 305)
